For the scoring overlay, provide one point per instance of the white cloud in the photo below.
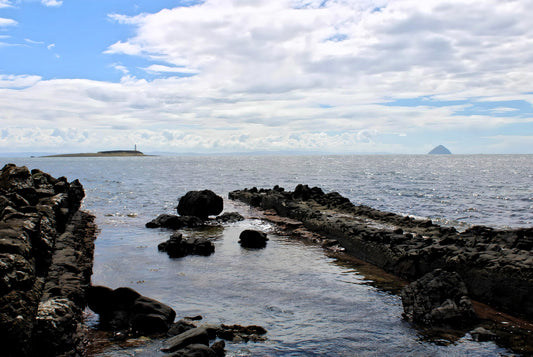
(7, 22)
(52, 3)
(33, 42)
(281, 75)
(51, 46)
(5, 3)
(157, 68)
(11, 81)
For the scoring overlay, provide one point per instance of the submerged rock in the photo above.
(438, 298)
(253, 239)
(200, 204)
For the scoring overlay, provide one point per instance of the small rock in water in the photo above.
(177, 247)
(253, 239)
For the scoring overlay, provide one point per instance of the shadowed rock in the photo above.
(200, 204)
(438, 298)
(177, 247)
(46, 259)
(123, 309)
(253, 239)
(174, 222)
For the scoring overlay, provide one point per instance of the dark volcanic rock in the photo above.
(46, 257)
(496, 265)
(253, 239)
(438, 298)
(177, 247)
(174, 222)
(200, 204)
(124, 309)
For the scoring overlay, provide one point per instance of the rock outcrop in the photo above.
(496, 265)
(46, 257)
(200, 204)
(439, 298)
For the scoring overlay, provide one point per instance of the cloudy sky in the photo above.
(340, 76)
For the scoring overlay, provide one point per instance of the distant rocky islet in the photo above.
(440, 150)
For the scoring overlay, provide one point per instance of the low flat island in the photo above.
(102, 154)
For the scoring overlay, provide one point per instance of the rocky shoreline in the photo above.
(46, 259)
(47, 250)
(495, 265)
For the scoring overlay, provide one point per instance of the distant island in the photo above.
(440, 150)
(102, 154)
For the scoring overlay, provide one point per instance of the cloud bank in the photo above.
(336, 76)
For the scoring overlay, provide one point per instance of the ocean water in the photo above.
(311, 304)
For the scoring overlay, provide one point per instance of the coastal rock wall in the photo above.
(496, 265)
(46, 257)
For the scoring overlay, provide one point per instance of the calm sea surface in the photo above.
(311, 304)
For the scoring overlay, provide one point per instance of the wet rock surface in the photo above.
(495, 265)
(46, 257)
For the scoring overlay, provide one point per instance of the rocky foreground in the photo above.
(46, 259)
(496, 266)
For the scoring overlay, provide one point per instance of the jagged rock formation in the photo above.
(496, 265)
(439, 298)
(46, 257)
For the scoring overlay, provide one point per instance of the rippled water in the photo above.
(311, 304)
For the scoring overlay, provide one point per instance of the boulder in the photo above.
(200, 204)
(438, 299)
(253, 239)
(125, 309)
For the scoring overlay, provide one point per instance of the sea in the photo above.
(311, 303)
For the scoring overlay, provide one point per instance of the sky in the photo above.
(226, 76)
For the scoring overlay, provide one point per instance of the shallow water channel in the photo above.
(310, 303)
